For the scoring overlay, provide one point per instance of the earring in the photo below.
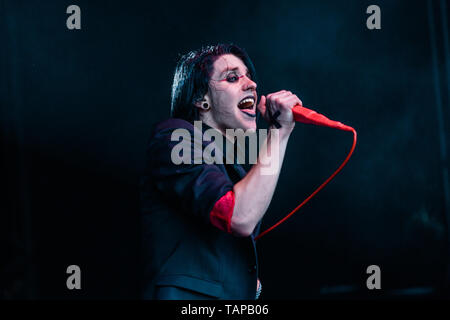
(206, 106)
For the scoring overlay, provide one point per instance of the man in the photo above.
(200, 219)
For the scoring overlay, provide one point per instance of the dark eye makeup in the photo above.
(233, 77)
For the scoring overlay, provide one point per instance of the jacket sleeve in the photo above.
(194, 188)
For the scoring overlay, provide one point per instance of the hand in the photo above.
(282, 101)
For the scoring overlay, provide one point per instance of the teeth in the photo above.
(251, 100)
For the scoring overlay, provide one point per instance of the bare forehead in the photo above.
(228, 62)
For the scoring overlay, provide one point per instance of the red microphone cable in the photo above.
(308, 116)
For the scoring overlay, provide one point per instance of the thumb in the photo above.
(262, 105)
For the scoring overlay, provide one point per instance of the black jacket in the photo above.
(182, 249)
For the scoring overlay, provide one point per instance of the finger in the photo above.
(284, 91)
(278, 93)
(289, 102)
(300, 102)
(279, 101)
(278, 98)
(262, 105)
(292, 97)
(294, 100)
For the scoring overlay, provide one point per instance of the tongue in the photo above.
(246, 105)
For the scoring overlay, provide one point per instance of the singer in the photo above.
(200, 220)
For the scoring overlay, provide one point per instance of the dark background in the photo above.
(77, 107)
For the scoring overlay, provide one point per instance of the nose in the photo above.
(248, 84)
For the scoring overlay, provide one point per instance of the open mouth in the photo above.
(246, 106)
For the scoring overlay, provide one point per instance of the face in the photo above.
(232, 95)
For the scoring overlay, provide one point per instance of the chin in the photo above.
(249, 125)
(241, 123)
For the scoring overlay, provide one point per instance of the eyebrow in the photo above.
(232, 69)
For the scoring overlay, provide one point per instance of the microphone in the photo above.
(308, 116)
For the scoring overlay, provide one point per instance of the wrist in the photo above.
(285, 131)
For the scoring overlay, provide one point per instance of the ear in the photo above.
(200, 103)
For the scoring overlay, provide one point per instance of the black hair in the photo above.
(192, 75)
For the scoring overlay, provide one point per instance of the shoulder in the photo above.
(172, 130)
(162, 131)
(170, 125)
(171, 133)
(186, 141)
